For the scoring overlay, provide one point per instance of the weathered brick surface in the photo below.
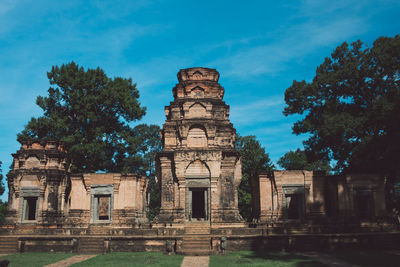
(198, 151)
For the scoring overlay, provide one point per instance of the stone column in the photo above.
(265, 199)
(379, 197)
(167, 190)
(214, 200)
(318, 202)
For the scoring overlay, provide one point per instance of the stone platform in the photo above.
(197, 239)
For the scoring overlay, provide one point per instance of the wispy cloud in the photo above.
(261, 110)
(295, 42)
(315, 24)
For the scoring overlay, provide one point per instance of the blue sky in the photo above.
(259, 48)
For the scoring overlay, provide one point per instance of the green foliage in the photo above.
(144, 144)
(3, 206)
(3, 210)
(298, 160)
(254, 162)
(147, 144)
(352, 107)
(90, 112)
(154, 204)
(1, 180)
(244, 198)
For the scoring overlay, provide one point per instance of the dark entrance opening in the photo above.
(30, 212)
(363, 200)
(295, 208)
(198, 204)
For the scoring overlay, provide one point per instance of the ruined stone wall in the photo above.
(124, 194)
(312, 195)
(357, 196)
(298, 192)
(43, 192)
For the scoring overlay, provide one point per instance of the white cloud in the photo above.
(295, 42)
(261, 110)
(314, 25)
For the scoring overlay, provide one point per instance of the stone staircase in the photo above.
(91, 245)
(197, 240)
(8, 245)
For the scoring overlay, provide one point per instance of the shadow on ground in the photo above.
(368, 257)
(262, 258)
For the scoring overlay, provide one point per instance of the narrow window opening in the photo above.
(103, 211)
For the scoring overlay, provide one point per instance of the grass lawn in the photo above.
(133, 259)
(253, 258)
(33, 259)
(367, 257)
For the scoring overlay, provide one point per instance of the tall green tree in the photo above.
(90, 113)
(298, 160)
(148, 144)
(351, 108)
(3, 206)
(1, 180)
(254, 162)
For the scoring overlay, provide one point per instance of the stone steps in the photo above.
(196, 246)
(197, 228)
(197, 240)
(8, 245)
(91, 245)
(197, 231)
(99, 230)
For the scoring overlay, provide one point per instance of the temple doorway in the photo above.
(198, 206)
(363, 203)
(295, 206)
(294, 202)
(197, 201)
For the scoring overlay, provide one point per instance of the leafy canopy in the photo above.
(351, 107)
(91, 113)
(148, 144)
(1, 180)
(144, 143)
(254, 162)
(298, 160)
(3, 206)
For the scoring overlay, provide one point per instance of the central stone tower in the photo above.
(198, 169)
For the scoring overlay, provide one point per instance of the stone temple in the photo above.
(198, 171)
(198, 168)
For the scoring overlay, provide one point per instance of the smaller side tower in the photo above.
(38, 183)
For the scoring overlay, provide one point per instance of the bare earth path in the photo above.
(71, 260)
(195, 261)
(328, 260)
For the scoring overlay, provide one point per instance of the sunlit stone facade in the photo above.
(199, 170)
